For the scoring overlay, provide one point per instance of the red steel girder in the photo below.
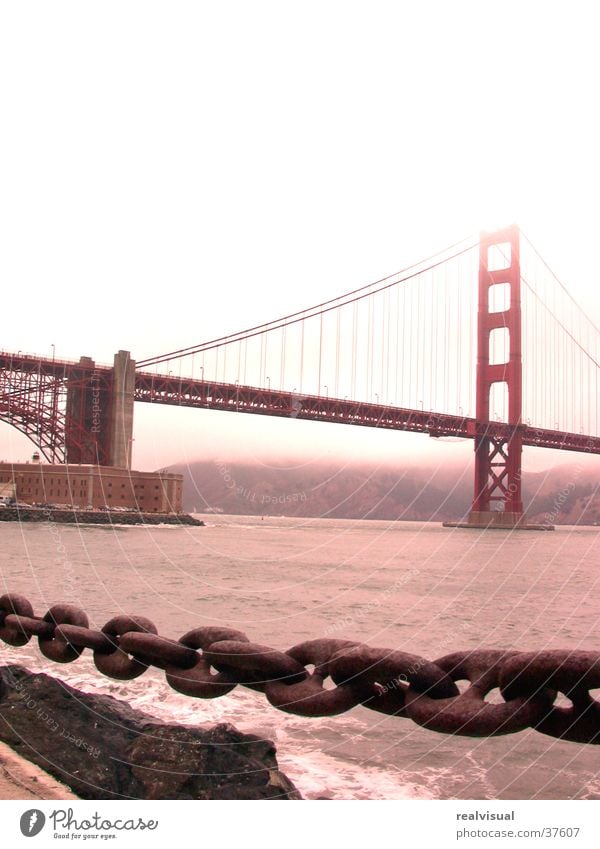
(39, 417)
(230, 397)
(33, 399)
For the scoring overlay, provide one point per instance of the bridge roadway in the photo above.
(209, 395)
(232, 397)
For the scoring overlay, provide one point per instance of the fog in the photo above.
(230, 164)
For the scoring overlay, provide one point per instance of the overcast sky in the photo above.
(172, 172)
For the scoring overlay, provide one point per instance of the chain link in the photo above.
(209, 662)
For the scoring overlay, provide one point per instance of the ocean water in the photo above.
(415, 587)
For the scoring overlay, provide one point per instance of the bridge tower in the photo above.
(497, 499)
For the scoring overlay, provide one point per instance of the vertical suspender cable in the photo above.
(302, 323)
(320, 350)
(459, 338)
(283, 344)
(337, 351)
(385, 335)
(432, 346)
(395, 360)
(353, 350)
(369, 348)
(446, 366)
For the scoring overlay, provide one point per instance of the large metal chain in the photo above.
(209, 662)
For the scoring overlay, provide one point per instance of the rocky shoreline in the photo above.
(21, 779)
(101, 748)
(94, 517)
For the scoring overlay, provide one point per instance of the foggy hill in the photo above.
(563, 495)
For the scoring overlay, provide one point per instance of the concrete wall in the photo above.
(96, 486)
(121, 414)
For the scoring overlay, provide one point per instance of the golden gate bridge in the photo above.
(480, 341)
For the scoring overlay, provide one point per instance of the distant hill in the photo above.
(563, 495)
(566, 495)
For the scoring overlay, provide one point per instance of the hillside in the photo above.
(563, 495)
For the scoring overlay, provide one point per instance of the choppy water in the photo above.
(412, 586)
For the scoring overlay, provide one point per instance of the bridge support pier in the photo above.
(121, 414)
(99, 413)
(87, 438)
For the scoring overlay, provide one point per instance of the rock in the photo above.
(66, 516)
(103, 749)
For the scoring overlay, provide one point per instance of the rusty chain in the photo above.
(209, 662)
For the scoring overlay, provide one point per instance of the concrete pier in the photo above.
(87, 408)
(121, 414)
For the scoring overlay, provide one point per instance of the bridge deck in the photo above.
(231, 397)
(208, 395)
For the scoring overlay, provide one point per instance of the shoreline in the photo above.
(72, 516)
(98, 746)
(22, 779)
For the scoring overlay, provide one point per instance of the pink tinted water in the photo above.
(411, 586)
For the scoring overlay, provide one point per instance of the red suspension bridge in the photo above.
(480, 341)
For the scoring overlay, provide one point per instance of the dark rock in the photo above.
(103, 749)
(66, 516)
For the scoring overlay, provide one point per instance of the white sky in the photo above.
(172, 172)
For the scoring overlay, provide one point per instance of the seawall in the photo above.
(94, 517)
